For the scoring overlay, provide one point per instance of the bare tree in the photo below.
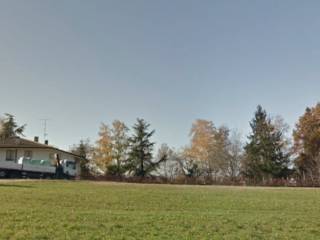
(171, 168)
(235, 155)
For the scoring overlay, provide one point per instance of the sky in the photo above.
(80, 63)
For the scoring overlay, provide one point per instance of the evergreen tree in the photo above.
(9, 127)
(84, 150)
(140, 150)
(265, 156)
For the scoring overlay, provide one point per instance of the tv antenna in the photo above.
(45, 125)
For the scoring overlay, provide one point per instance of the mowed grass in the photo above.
(89, 210)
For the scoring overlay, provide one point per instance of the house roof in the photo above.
(17, 142)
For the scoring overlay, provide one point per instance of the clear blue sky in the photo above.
(171, 61)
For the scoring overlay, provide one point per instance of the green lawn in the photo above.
(88, 210)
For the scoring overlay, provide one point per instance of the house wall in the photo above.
(41, 154)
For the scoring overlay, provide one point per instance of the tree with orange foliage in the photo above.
(208, 148)
(103, 151)
(307, 145)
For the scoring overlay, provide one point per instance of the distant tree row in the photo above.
(214, 155)
(118, 154)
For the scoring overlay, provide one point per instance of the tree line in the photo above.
(215, 154)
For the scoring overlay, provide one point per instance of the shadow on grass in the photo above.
(14, 186)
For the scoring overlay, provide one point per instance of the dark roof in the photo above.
(17, 142)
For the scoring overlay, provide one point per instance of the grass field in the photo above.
(88, 210)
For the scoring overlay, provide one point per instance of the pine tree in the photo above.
(84, 150)
(140, 153)
(9, 127)
(265, 156)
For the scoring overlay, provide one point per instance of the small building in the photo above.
(16, 150)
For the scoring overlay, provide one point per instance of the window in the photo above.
(71, 165)
(11, 155)
(28, 154)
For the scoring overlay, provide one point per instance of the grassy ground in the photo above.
(88, 210)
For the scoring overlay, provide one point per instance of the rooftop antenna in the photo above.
(45, 123)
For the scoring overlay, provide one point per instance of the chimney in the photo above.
(36, 139)
(46, 142)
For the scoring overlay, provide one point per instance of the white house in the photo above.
(16, 149)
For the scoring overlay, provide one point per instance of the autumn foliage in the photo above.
(268, 155)
(307, 146)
